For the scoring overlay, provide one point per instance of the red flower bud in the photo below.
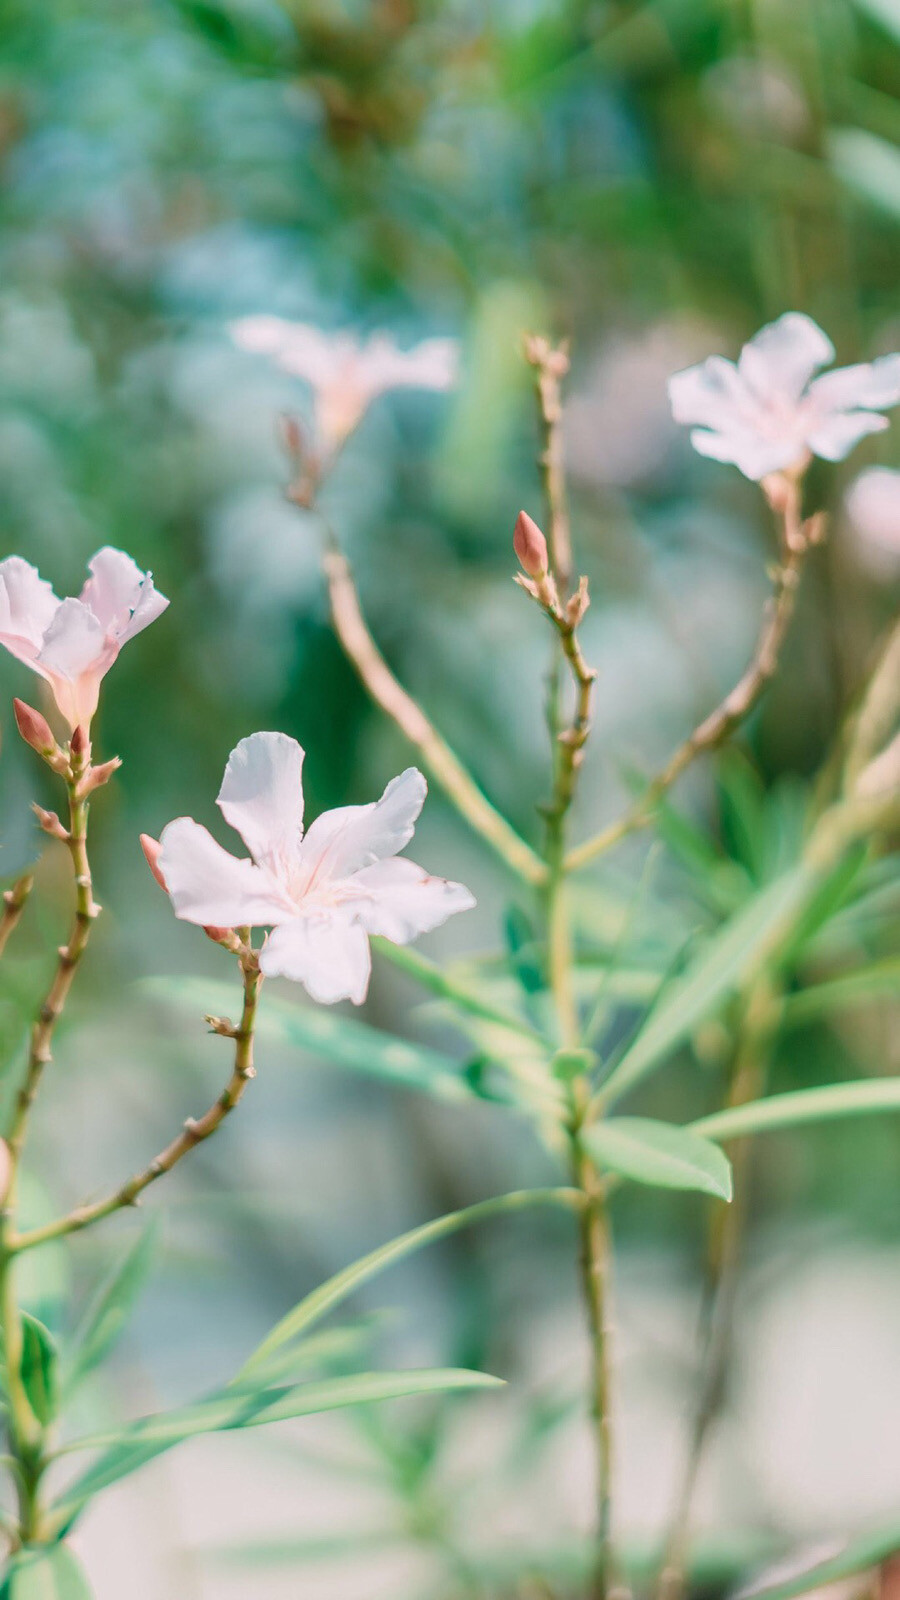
(530, 546)
(80, 744)
(151, 848)
(37, 733)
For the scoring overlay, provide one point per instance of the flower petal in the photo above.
(401, 900)
(76, 642)
(327, 952)
(120, 595)
(755, 455)
(262, 797)
(779, 361)
(835, 436)
(304, 351)
(711, 394)
(433, 364)
(871, 384)
(341, 842)
(27, 608)
(207, 885)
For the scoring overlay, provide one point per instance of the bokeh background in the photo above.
(653, 179)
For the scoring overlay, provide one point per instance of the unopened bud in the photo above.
(530, 546)
(224, 936)
(96, 777)
(578, 603)
(151, 848)
(36, 731)
(80, 744)
(220, 1025)
(50, 823)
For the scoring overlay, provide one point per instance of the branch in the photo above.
(192, 1134)
(737, 705)
(551, 365)
(13, 905)
(442, 763)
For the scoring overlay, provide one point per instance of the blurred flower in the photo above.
(872, 504)
(346, 376)
(73, 643)
(768, 413)
(323, 893)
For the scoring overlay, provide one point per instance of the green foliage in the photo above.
(658, 1154)
(43, 1573)
(108, 1312)
(40, 1363)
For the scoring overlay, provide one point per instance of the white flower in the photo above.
(73, 643)
(872, 504)
(769, 412)
(322, 893)
(345, 375)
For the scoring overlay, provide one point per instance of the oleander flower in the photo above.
(344, 374)
(872, 505)
(322, 893)
(770, 413)
(73, 643)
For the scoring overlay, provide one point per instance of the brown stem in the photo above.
(192, 1134)
(550, 366)
(732, 711)
(13, 905)
(442, 763)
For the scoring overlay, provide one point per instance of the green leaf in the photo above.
(124, 1452)
(330, 1294)
(433, 978)
(790, 1578)
(869, 165)
(850, 989)
(659, 1154)
(40, 1364)
(108, 1312)
(709, 979)
(828, 1103)
(46, 1573)
(326, 1034)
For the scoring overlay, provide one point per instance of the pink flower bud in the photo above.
(80, 744)
(530, 546)
(50, 823)
(36, 732)
(96, 777)
(151, 848)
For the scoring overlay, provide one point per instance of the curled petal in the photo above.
(27, 608)
(208, 886)
(327, 953)
(401, 900)
(262, 797)
(341, 842)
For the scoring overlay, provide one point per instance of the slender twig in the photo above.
(13, 905)
(550, 364)
(442, 762)
(192, 1134)
(797, 539)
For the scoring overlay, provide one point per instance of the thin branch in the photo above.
(736, 706)
(442, 763)
(13, 905)
(192, 1134)
(551, 364)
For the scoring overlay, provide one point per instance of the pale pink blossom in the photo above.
(322, 893)
(872, 504)
(346, 375)
(73, 643)
(770, 413)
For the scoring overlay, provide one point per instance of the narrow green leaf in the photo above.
(850, 989)
(659, 1154)
(330, 1294)
(828, 1103)
(46, 1573)
(791, 1578)
(710, 978)
(108, 1312)
(124, 1452)
(441, 983)
(40, 1363)
(335, 1038)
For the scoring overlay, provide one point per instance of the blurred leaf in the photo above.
(818, 1567)
(710, 978)
(522, 945)
(826, 1104)
(868, 165)
(885, 12)
(659, 1154)
(108, 1313)
(336, 1289)
(53, 1573)
(333, 1037)
(432, 977)
(40, 1362)
(132, 1447)
(850, 989)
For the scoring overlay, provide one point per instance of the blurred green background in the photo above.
(654, 179)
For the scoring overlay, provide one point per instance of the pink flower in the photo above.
(872, 504)
(769, 412)
(73, 643)
(323, 893)
(345, 375)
